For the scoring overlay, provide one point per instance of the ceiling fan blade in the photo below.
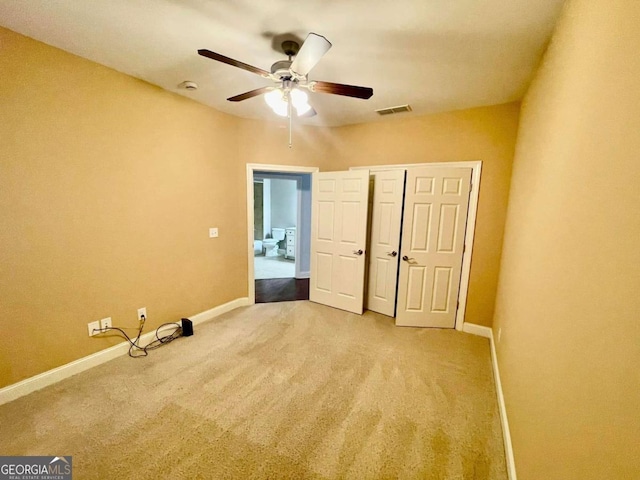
(311, 51)
(341, 89)
(232, 62)
(250, 94)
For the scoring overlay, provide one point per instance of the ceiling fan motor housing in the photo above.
(290, 48)
(281, 69)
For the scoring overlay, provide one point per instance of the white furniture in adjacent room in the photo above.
(290, 251)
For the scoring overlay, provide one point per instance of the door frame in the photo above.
(259, 167)
(476, 171)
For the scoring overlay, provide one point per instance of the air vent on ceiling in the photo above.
(390, 110)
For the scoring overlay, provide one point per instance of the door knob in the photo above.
(405, 258)
(392, 254)
(358, 252)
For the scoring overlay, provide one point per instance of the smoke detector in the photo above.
(188, 85)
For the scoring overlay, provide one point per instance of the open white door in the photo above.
(433, 231)
(338, 239)
(388, 192)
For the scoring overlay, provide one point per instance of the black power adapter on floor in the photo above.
(187, 327)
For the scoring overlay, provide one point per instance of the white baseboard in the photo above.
(506, 434)
(24, 387)
(478, 330)
(304, 275)
(219, 310)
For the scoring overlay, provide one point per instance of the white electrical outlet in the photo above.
(105, 323)
(93, 326)
(142, 311)
(213, 233)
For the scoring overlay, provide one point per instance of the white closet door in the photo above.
(338, 239)
(436, 205)
(386, 207)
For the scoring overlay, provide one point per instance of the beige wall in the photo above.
(568, 306)
(487, 134)
(108, 186)
(267, 143)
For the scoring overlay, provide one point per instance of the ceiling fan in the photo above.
(291, 78)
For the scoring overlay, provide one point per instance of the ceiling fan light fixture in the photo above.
(302, 108)
(300, 101)
(275, 98)
(281, 109)
(298, 97)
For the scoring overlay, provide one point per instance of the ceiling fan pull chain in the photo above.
(290, 117)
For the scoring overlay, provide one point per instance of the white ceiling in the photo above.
(436, 55)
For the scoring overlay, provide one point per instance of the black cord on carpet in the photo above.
(137, 351)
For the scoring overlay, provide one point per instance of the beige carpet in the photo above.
(288, 390)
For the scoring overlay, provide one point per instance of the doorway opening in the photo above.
(279, 226)
(275, 217)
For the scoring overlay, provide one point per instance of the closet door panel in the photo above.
(436, 205)
(384, 240)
